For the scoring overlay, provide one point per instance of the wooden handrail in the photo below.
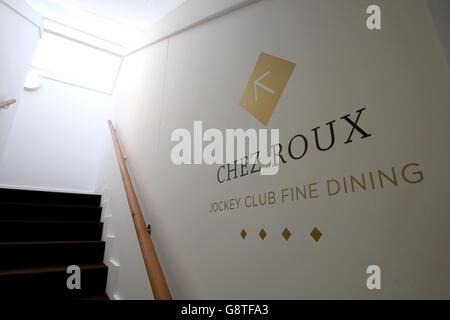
(7, 103)
(155, 274)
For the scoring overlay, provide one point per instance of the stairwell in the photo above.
(41, 235)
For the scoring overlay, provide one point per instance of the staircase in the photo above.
(41, 235)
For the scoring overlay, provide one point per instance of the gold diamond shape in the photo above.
(266, 85)
(243, 234)
(262, 234)
(286, 234)
(316, 234)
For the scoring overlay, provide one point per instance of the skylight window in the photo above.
(77, 58)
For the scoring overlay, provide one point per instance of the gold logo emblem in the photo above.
(266, 85)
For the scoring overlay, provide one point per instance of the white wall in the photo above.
(397, 73)
(86, 21)
(188, 14)
(19, 36)
(440, 13)
(58, 139)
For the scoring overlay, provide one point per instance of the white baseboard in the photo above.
(34, 188)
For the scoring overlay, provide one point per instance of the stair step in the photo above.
(40, 231)
(51, 282)
(48, 212)
(29, 196)
(38, 254)
(41, 235)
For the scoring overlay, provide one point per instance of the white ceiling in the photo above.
(138, 14)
